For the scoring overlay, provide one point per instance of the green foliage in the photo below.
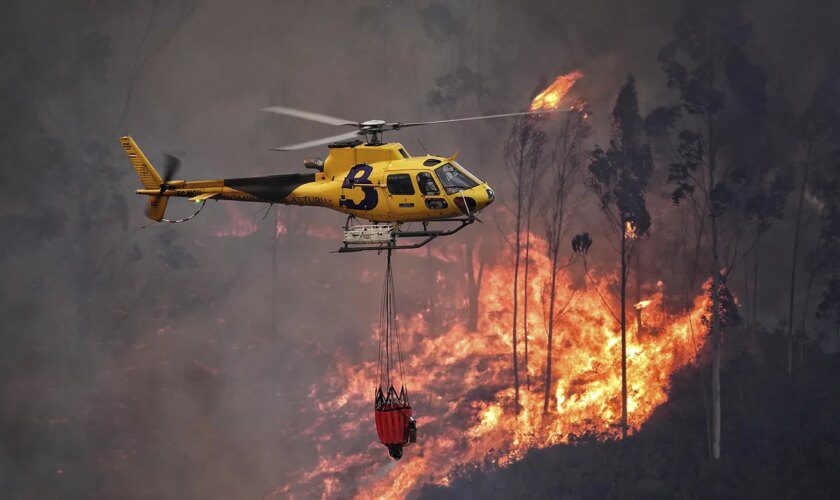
(620, 174)
(581, 243)
(727, 307)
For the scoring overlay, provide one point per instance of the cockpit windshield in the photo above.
(467, 173)
(454, 180)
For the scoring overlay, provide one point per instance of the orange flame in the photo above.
(630, 230)
(550, 97)
(642, 304)
(461, 388)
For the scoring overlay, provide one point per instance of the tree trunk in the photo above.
(638, 288)
(797, 235)
(746, 294)
(623, 331)
(754, 326)
(516, 305)
(803, 321)
(525, 293)
(716, 343)
(473, 286)
(431, 274)
(549, 347)
(716, 321)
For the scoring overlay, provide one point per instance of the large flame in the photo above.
(461, 389)
(550, 97)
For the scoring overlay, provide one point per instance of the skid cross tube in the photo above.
(428, 235)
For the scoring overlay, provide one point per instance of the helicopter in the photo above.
(362, 176)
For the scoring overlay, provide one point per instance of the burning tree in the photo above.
(619, 178)
(535, 175)
(567, 159)
(550, 98)
(522, 152)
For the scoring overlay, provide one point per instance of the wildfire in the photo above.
(550, 97)
(642, 304)
(240, 225)
(629, 230)
(461, 389)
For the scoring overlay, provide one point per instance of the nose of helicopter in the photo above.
(475, 199)
(487, 196)
(482, 195)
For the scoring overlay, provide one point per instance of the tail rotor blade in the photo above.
(170, 168)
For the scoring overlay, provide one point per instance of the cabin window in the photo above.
(427, 184)
(453, 180)
(436, 203)
(400, 184)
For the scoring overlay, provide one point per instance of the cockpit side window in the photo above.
(453, 180)
(427, 184)
(400, 184)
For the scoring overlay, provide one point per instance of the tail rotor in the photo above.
(157, 204)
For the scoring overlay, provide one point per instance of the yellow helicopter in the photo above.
(362, 177)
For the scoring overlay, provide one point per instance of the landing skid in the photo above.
(381, 237)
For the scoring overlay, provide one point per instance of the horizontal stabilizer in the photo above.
(203, 197)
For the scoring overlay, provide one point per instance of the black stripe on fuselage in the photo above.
(271, 188)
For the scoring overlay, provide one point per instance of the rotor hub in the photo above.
(373, 124)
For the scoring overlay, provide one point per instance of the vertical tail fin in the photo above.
(157, 207)
(148, 175)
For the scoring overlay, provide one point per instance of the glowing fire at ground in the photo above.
(550, 97)
(461, 390)
(240, 225)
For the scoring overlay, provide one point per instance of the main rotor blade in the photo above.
(484, 117)
(308, 115)
(320, 142)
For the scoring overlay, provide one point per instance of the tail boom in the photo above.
(267, 189)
